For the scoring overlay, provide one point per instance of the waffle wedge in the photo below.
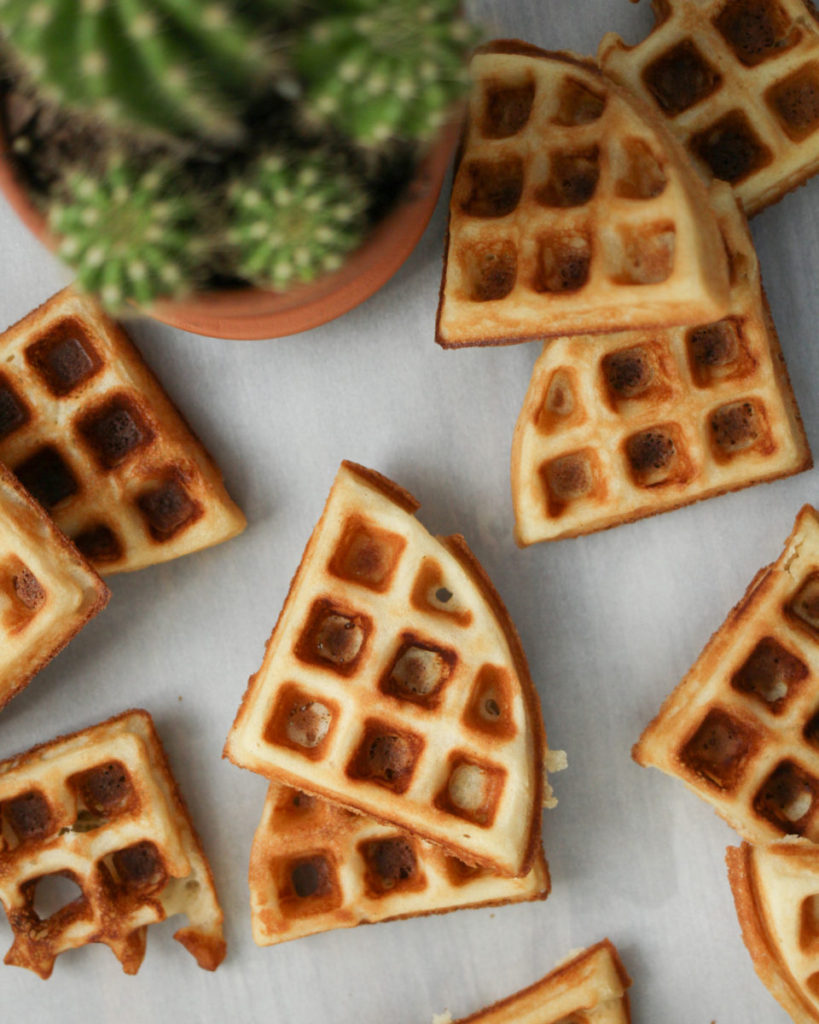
(621, 426)
(776, 892)
(316, 866)
(588, 988)
(88, 430)
(738, 82)
(573, 210)
(742, 729)
(394, 683)
(101, 808)
(47, 589)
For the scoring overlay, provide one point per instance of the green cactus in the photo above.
(130, 235)
(380, 70)
(169, 66)
(165, 80)
(294, 218)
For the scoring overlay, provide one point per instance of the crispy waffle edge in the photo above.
(458, 547)
(731, 623)
(662, 11)
(101, 593)
(748, 900)
(176, 428)
(208, 951)
(519, 47)
(562, 970)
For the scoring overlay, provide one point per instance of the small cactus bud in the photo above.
(384, 70)
(126, 234)
(293, 219)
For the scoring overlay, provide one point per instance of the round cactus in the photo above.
(128, 235)
(381, 70)
(294, 218)
(165, 80)
(169, 66)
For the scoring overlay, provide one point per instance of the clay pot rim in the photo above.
(251, 314)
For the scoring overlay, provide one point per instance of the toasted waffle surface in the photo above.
(776, 892)
(394, 683)
(316, 866)
(88, 430)
(738, 82)
(589, 988)
(626, 425)
(573, 210)
(101, 809)
(47, 589)
(742, 728)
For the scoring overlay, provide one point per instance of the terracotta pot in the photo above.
(253, 313)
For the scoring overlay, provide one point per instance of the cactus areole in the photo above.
(187, 148)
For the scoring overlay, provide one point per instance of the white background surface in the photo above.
(610, 624)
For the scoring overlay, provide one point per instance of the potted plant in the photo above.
(241, 168)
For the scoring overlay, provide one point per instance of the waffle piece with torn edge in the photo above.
(315, 866)
(101, 809)
(742, 729)
(617, 427)
(776, 893)
(573, 210)
(738, 82)
(394, 683)
(590, 987)
(88, 430)
(48, 591)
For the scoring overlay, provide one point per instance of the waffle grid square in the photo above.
(316, 866)
(740, 730)
(617, 427)
(47, 590)
(747, 106)
(410, 702)
(88, 430)
(101, 808)
(604, 226)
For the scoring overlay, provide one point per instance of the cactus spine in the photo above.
(128, 234)
(381, 70)
(167, 66)
(294, 218)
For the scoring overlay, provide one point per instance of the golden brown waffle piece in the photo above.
(742, 729)
(316, 866)
(394, 683)
(47, 589)
(776, 892)
(621, 426)
(101, 808)
(588, 988)
(573, 210)
(90, 433)
(738, 82)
